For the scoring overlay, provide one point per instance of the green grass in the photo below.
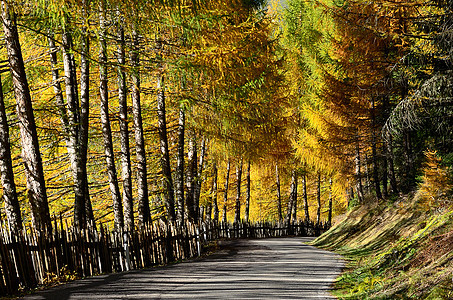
(395, 250)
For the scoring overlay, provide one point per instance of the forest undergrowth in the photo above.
(395, 250)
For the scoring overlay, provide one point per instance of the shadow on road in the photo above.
(241, 269)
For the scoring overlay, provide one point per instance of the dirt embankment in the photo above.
(395, 250)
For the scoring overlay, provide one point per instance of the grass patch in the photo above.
(395, 250)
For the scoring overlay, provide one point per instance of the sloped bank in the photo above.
(395, 251)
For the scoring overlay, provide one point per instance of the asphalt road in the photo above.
(279, 268)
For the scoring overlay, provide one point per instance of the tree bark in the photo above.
(105, 122)
(358, 174)
(72, 130)
(85, 108)
(385, 175)
(57, 86)
(144, 216)
(377, 182)
(126, 171)
(191, 174)
(292, 195)
(169, 197)
(215, 205)
(237, 211)
(295, 197)
(409, 161)
(318, 197)
(12, 206)
(225, 195)
(367, 179)
(247, 194)
(279, 197)
(179, 184)
(304, 187)
(329, 217)
(30, 146)
(198, 179)
(391, 160)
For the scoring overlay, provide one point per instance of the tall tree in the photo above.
(169, 196)
(105, 121)
(225, 194)
(237, 210)
(279, 198)
(247, 194)
(12, 206)
(179, 182)
(31, 155)
(329, 217)
(124, 126)
(304, 190)
(198, 179)
(214, 193)
(191, 178)
(72, 129)
(85, 104)
(144, 216)
(358, 174)
(292, 198)
(318, 198)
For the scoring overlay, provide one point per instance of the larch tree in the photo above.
(31, 155)
(126, 170)
(237, 207)
(105, 120)
(144, 216)
(12, 206)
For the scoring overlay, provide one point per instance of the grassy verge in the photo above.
(395, 251)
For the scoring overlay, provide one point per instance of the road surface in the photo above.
(277, 268)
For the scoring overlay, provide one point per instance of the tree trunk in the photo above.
(209, 213)
(391, 160)
(304, 187)
(12, 206)
(72, 130)
(144, 216)
(367, 184)
(126, 171)
(225, 195)
(179, 184)
(329, 217)
(279, 197)
(318, 197)
(358, 174)
(191, 174)
(409, 161)
(85, 108)
(292, 195)
(59, 102)
(105, 122)
(215, 205)
(237, 212)
(165, 156)
(247, 195)
(30, 146)
(385, 175)
(351, 196)
(377, 182)
(295, 196)
(198, 181)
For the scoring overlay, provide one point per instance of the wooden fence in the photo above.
(28, 259)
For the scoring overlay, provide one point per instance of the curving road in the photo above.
(279, 268)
